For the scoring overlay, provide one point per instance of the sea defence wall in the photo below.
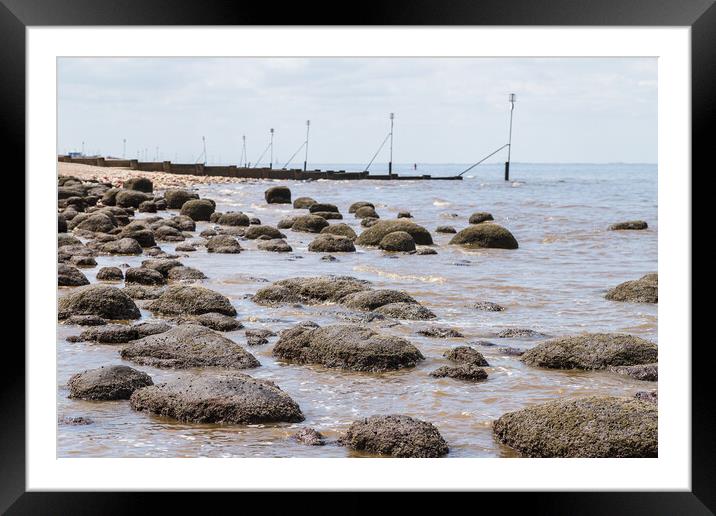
(200, 169)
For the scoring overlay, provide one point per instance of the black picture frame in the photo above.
(700, 15)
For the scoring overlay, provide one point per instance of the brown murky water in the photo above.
(553, 283)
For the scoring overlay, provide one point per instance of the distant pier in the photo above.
(199, 169)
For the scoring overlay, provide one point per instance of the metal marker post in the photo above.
(390, 163)
(513, 99)
(305, 160)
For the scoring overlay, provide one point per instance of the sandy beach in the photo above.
(117, 176)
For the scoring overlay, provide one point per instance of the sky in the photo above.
(447, 110)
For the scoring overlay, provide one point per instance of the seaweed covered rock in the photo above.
(123, 246)
(110, 334)
(198, 209)
(223, 244)
(309, 436)
(629, 225)
(131, 198)
(189, 345)
(395, 436)
(309, 224)
(310, 290)
(346, 346)
(278, 195)
(254, 232)
(191, 300)
(274, 245)
(189, 274)
(327, 243)
(368, 300)
(408, 311)
(465, 372)
(218, 322)
(322, 207)
(375, 233)
(100, 300)
(176, 198)
(144, 276)
(643, 290)
(233, 219)
(163, 265)
(485, 235)
(303, 203)
(479, 217)
(440, 332)
(96, 222)
(644, 372)
(139, 232)
(594, 426)
(591, 351)
(230, 398)
(68, 276)
(488, 306)
(366, 212)
(397, 241)
(141, 184)
(107, 383)
(340, 229)
(445, 229)
(359, 204)
(466, 355)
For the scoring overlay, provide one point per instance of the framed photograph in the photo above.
(418, 250)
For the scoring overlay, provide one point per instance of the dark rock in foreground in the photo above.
(345, 346)
(100, 300)
(395, 436)
(191, 300)
(466, 372)
(189, 345)
(591, 351)
(107, 383)
(485, 235)
(629, 225)
(595, 426)
(232, 399)
(643, 290)
(198, 209)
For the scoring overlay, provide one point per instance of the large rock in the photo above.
(595, 426)
(110, 334)
(108, 383)
(591, 351)
(230, 398)
(395, 436)
(198, 209)
(218, 322)
(485, 235)
(68, 276)
(359, 204)
(644, 372)
(309, 224)
(312, 290)
(123, 246)
(374, 234)
(139, 232)
(278, 195)
(365, 212)
(409, 311)
(629, 225)
(100, 300)
(223, 244)
(141, 184)
(176, 198)
(163, 265)
(327, 243)
(368, 300)
(233, 219)
(131, 198)
(340, 229)
(397, 241)
(254, 232)
(479, 217)
(189, 345)
(643, 290)
(185, 274)
(191, 300)
(110, 274)
(345, 346)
